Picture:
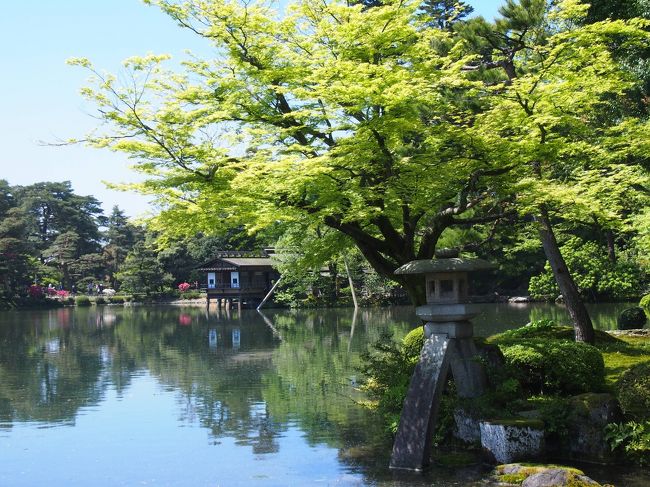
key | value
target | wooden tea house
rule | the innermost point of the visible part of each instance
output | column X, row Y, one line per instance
column 241, row 277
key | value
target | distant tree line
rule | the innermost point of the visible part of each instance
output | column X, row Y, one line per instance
column 52, row 237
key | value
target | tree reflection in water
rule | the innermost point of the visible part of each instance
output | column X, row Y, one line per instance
column 241, row 375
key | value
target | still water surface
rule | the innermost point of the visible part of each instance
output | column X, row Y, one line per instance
column 170, row 396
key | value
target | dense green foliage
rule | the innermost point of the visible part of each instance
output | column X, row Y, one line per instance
column 317, row 280
column 387, row 370
column 50, row 236
column 542, row 357
column 633, row 438
column 16, row 254
column 389, row 127
column 412, row 342
column 141, row 271
column 597, row 277
column 82, row 301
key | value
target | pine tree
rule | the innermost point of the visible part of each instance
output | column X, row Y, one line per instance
column 443, row 14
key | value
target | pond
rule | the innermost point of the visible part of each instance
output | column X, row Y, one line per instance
column 171, row 396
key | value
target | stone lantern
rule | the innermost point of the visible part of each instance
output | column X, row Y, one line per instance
column 448, row 345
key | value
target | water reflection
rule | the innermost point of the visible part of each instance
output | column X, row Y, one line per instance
column 54, row 362
column 277, row 384
column 244, row 376
column 495, row 318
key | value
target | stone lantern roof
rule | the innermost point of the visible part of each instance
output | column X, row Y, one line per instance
column 446, row 287
column 454, row 264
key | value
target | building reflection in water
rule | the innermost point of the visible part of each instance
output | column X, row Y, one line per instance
column 212, row 338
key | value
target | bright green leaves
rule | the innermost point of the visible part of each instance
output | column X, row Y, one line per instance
column 558, row 121
column 370, row 122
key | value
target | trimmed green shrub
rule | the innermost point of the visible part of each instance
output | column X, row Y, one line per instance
column 555, row 366
column 548, row 330
column 191, row 295
column 116, row 299
column 634, row 391
column 412, row 343
column 645, row 301
column 82, row 301
column 100, row 300
column 631, row 318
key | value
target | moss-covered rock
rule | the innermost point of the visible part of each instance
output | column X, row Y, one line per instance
column 528, row 475
column 630, row 318
column 633, row 390
column 586, row 441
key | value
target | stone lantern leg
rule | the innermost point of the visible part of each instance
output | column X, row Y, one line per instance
column 448, row 344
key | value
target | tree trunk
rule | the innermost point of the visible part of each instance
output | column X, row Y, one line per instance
column 414, row 287
column 584, row 330
column 611, row 247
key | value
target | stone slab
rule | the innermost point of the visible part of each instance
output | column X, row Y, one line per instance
column 469, row 375
column 511, row 442
column 412, row 446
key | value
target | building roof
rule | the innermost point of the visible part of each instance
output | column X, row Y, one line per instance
column 428, row 266
column 234, row 263
column 249, row 261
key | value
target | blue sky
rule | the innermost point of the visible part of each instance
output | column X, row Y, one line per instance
column 40, row 93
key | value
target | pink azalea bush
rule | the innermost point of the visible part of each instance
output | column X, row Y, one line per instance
column 35, row 291
column 183, row 286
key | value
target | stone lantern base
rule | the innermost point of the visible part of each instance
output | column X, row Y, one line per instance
column 448, row 347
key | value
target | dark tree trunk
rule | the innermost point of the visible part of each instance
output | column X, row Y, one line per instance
column 414, row 287
column 611, row 248
column 584, row 330
column 335, row 279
